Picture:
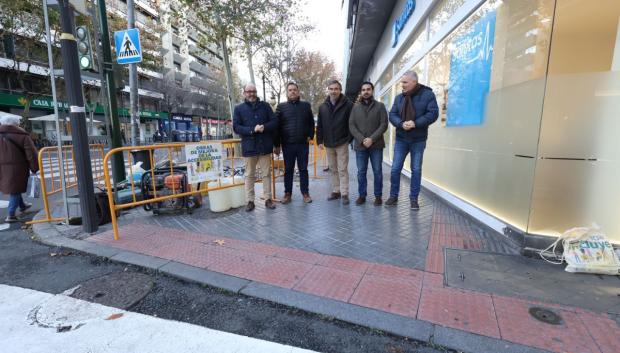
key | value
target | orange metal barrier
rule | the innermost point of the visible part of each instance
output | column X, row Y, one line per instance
column 316, row 155
column 231, row 146
column 51, row 173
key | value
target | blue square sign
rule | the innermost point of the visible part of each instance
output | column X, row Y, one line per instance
column 128, row 49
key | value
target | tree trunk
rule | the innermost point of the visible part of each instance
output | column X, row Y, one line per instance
column 248, row 53
column 229, row 79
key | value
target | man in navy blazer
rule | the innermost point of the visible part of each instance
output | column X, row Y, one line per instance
column 412, row 113
column 255, row 122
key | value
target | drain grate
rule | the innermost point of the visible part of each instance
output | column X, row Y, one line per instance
column 545, row 315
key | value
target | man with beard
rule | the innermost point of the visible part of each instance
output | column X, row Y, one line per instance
column 295, row 130
column 368, row 123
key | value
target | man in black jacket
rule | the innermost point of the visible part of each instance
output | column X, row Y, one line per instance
column 332, row 132
column 295, row 130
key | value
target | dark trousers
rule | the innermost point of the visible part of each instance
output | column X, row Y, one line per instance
column 295, row 152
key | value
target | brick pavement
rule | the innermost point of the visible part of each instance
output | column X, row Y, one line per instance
column 385, row 259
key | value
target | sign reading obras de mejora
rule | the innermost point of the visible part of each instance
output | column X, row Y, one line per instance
column 400, row 22
column 204, row 162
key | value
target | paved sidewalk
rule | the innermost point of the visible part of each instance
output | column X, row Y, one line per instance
column 375, row 266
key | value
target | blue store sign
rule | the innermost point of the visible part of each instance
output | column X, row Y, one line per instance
column 470, row 73
column 400, row 23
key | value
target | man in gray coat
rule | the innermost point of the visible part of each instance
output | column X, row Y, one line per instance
column 367, row 123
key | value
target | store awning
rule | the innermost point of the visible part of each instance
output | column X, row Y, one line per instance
column 5, row 114
column 370, row 21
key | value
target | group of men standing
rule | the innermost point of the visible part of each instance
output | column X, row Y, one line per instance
column 340, row 122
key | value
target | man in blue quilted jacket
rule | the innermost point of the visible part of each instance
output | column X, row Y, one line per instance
column 412, row 113
column 255, row 122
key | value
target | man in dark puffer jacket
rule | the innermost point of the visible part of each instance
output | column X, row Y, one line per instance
column 412, row 113
column 295, row 130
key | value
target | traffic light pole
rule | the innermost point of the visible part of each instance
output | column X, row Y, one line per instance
column 133, row 83
column 73, row 83
column 114, row 129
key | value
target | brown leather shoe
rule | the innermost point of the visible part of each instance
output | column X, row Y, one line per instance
column 360, row 200
column 250, row 206
column 378, row 201
column 307, row 198
column 269, row 204
column 287, row 198
column 345, row 199
column 334, row 196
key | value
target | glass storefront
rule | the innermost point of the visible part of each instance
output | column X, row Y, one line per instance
column 529, row 104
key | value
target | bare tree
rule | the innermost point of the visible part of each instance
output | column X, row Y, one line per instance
column 311, row 71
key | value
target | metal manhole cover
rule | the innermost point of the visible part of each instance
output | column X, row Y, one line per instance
column 119, row 289
column 545, row 315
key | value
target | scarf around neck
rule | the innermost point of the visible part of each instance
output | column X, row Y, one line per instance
column 407, row 111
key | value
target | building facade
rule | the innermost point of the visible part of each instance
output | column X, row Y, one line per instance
column 529, row 97
column 183, row 94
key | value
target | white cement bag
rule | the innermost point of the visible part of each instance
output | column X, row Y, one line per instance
column 587, row 250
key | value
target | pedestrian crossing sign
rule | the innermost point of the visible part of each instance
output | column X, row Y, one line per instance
column 128, row 49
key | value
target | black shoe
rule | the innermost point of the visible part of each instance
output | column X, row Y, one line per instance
column 414, row 205
column 378, row 201
column 250, row 206
column 333, row 196
column 269, row 204
column 360, row 200
column 391, row 201
column 345, row 199
column 25, row 208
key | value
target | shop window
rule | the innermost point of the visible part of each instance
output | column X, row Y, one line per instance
column 489, row 79
column 578, row 168
column 413, row 48
column 442, row 13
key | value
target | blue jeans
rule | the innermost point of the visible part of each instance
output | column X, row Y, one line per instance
column 376, row 160
column 401, row 149
column 295, row 152
column 15, row 200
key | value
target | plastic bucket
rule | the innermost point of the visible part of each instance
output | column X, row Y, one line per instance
column 237, row 193
column 219, row 200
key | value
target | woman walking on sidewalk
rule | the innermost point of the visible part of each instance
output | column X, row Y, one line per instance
column 18, row 156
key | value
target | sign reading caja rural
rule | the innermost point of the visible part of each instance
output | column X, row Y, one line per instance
column 204, row 162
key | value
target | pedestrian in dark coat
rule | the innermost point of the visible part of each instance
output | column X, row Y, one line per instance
column 295, row 131
column 18, row 157
column 255, row 122
column 332, row 131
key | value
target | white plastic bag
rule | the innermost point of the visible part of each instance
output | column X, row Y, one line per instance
column 34, row 186
column 137, row 171
column 586, row 250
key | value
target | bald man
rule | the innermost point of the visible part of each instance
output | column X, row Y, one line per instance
column 255, row 122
